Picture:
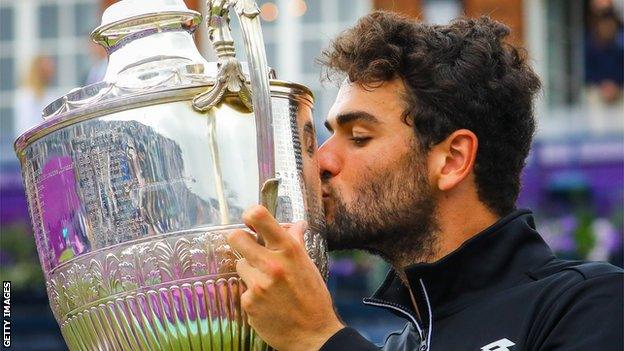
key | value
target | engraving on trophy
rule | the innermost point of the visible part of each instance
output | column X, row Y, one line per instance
column 35, row 209
column 102, row 157
column 57, row 215
column 290, row 201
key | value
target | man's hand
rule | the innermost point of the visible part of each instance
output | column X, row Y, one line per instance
column 286, row 299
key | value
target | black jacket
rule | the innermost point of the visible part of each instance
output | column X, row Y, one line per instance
column 501, row 290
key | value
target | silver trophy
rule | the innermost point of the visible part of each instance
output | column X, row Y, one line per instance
column 133, row 182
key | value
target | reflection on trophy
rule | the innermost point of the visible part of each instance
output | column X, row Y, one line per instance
column 133, row 182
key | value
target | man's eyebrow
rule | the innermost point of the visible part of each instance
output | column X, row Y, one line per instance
column 349, row 117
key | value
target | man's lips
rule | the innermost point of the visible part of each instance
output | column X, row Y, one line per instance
column 326, row 193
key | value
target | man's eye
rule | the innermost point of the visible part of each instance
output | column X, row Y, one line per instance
column 360, row 141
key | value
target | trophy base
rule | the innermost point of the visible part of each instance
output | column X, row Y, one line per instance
column 173, row 292
column 192, row 316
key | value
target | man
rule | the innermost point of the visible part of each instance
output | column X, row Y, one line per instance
column 430, row 132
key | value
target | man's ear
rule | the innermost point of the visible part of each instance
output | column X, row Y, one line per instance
column 453, row 159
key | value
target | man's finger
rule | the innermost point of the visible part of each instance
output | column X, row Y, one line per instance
column 246, row 272
column 297, row 232
column 256, row 282
column 246, row 245
column 259, row 218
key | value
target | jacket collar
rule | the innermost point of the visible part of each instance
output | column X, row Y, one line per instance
column 497, row 258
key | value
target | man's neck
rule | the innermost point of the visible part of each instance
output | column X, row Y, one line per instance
column 457, row 222
column 457, row 225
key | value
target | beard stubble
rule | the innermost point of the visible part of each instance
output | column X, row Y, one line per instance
column 392, row 214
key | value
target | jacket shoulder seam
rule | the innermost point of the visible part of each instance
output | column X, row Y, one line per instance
column 584, row 271
column 576, row 285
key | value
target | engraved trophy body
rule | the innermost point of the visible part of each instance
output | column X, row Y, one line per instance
column 133, row 182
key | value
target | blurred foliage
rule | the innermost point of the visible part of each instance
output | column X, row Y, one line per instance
column 20, row 263
column 584, row 236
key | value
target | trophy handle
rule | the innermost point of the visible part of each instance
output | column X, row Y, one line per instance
column 231, row 79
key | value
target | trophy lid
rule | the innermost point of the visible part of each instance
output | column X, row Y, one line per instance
column 123, row 10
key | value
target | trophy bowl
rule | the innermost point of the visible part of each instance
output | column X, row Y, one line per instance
column 134, row 182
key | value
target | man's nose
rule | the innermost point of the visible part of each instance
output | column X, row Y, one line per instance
column 329, row 160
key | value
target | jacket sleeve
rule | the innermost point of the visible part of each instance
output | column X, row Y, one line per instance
column 348, row 339
column 588, row 317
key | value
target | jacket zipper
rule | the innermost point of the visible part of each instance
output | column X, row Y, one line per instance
column 430, row 329
column 425, row 341
column 396, row 307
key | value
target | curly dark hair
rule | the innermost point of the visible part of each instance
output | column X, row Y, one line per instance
column 460, row 75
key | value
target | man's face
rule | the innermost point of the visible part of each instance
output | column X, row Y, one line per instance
column 376, row 192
